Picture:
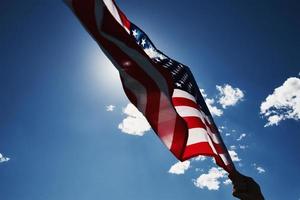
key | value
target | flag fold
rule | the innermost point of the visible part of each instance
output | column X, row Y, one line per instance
column 162, row 89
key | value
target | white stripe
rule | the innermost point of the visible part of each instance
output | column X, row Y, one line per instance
column 224, row 158
column 184, row 94
column 132, row 84
column 167, row 116
column 212, row 136
column 138, row 90
column 186, row 111
column 142, row 61
column 114, row 11
column 166, row 121
column 212, row 145
column 197, row 135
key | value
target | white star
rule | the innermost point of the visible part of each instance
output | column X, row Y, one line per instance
column 143, row 42
column 135, row 33
column 151, row 52
column 110, row 108
column 161, row 56
column 178, row 84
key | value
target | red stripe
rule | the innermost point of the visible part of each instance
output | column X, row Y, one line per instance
column 84, row 9
column 205, row 150
column 201, row 148
column 179, row 139
column 153, row 97
column 153, row 101
column 194, row 122
column 114, row 29
column 193, row 150
column 229, row 168
column 111, row 27
column 123, row 17
column 181, row 101
column 220, row 162
column 211, row 126
column 85, row 12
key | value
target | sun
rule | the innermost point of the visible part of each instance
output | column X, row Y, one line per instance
column 103, row 74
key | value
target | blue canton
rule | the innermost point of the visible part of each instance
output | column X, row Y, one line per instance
column 181, row 74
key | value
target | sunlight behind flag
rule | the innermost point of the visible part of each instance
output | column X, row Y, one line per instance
column 162, row 89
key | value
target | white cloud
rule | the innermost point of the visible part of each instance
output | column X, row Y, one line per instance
column 227, row 134
column 199, row 170
column 274, row 120
column 242, row 136
column 221, row 128
column 180, row 167
column 260, row 170
column 213, row 160
column 234, row 156
column 135, row 123
column 227, row 182
column 211, row 180
column 243, row 146
column 215, row 111
column 110, row 108
column 283, row 103
column 229, row 96
column 233, row 147
column 200, row 158
column 3, row 159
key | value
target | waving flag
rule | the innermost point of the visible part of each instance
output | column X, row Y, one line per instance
column 163, row 89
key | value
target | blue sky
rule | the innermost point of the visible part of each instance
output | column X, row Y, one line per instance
column 58, row 141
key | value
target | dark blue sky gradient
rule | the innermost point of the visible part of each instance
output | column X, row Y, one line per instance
column 64, row 145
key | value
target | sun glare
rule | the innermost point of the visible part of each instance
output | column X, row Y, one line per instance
column 103, row 74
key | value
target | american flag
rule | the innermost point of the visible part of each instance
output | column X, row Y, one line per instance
column 163, row 89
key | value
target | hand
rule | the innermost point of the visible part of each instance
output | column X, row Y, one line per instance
column 245, row 188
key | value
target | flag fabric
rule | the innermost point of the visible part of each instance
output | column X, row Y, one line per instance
column 163, row 89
